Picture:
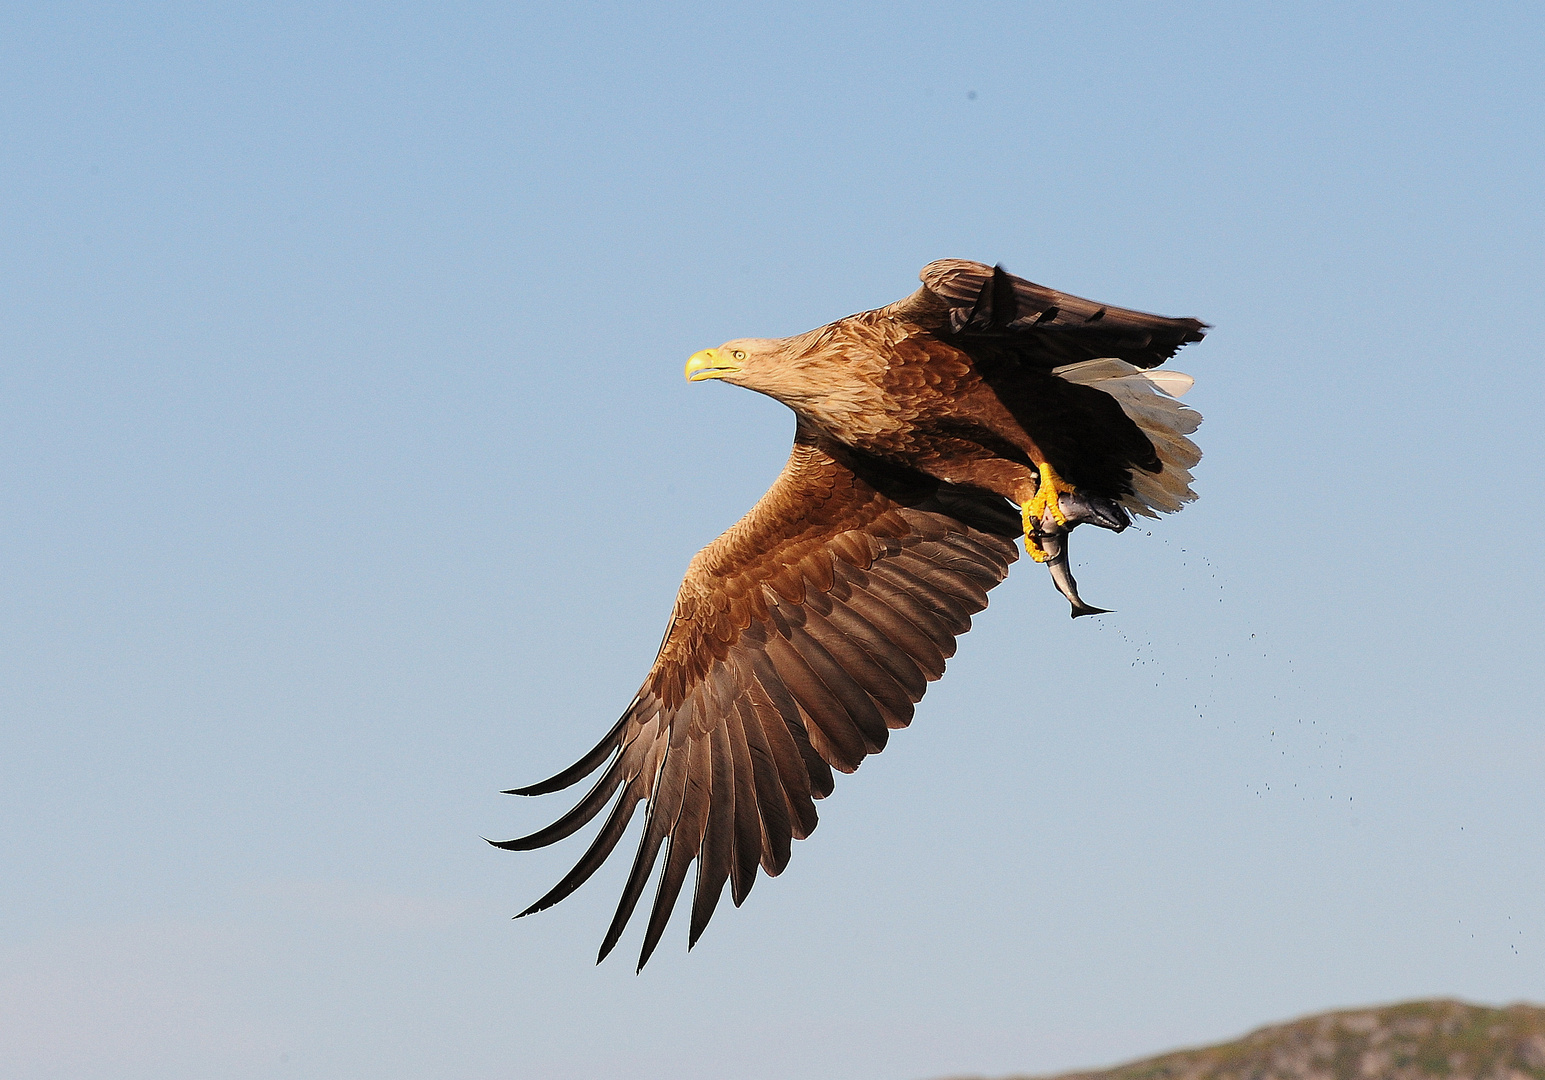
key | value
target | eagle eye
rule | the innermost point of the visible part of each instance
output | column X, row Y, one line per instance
column 739, row 355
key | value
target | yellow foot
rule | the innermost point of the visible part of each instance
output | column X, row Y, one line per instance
column 1044, row 501
column 1046, row 494
column 1032, row 525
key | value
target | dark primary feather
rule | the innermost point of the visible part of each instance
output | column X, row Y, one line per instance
column 971, row 301
column 717, row 857
column 581, row 768
column 748, row 822
column 799, row 640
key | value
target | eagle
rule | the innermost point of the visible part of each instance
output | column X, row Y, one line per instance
column 930, row 436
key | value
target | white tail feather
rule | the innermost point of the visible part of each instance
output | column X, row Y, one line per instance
column 1173, row 383
column 1149, row 398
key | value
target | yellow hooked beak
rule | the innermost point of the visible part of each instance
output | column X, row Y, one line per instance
column 710, row 364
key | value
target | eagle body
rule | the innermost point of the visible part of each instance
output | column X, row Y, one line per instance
column 930, row 435
column 963, row 412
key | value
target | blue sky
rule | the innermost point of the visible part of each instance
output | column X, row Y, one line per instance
column 349, row 474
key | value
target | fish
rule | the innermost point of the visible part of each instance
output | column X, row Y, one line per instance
column 1053, row 536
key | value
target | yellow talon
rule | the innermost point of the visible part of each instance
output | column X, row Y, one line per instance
column 1032, row 524
column 1046, row 492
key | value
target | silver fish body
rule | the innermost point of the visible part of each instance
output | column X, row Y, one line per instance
column 1053, row 536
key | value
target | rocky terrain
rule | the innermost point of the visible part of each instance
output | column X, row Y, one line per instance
column 1415, row 1041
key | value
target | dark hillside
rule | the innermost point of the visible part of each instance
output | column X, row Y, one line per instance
column 1420, row 1040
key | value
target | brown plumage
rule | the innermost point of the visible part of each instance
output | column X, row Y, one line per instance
column 807, row 632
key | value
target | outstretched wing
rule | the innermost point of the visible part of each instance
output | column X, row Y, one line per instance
column 989, row 309
column 799, row 639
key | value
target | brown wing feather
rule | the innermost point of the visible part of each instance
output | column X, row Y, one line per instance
column 799, row 639
column 1032, row 324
